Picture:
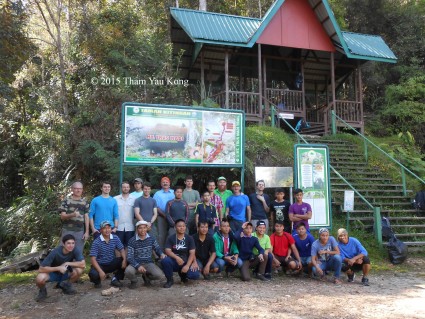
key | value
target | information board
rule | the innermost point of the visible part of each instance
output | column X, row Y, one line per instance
column 313, row 177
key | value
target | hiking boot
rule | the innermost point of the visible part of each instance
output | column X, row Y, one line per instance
column 268, row 276
column 146, row 280
column 98, row 285
column 169, row 283
column 133, row 285
column 183, row 277
column 67, row 288
column 365, row 281
column 351, row 277
column 207, row 277
column 261, row 277
column 42, row 294
column 116, row 283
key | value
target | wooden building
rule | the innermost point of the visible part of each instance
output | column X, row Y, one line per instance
column 296, row 59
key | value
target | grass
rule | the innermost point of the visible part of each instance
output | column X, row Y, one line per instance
column 17, row 279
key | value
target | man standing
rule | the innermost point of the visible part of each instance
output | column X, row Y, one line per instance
column 226, row 248
column 103, row 259
column 162, row 197
column 283, row 245
column 215, row 199
column 238, row 208
column 279, row 209
column 64, row 264
column 138, row 184
column 222, row 191
column 300, row 211
column 74, row 213
column 140, row 249
column 145, row 209
column 325, row 256
column 206, row 212
column 180, row 251
column 103, row 208
column 125, row 202
column 204, row 252
column 260, row 203
column 176, row 209
column 354, row 256
column 191, row 197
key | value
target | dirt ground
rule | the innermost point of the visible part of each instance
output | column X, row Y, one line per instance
column 391, row 294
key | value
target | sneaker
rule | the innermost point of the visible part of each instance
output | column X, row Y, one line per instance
column 146, row 280
column 42, row 294
column 132, row 285
column 67, row 288
column 169, row 283
column 268, row 276
column 116, row 283
column 183, row 277
column 351, row 277
column 261, row 277
column 365, row 281
column 98, row 285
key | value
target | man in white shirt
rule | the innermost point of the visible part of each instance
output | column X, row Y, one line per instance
column 126, row 214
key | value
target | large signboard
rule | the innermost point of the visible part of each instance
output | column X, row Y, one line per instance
column 313, row 177
column 275, row 176
column 170, row 135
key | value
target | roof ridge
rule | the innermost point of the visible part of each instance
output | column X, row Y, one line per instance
column 216, row 13
column 369, row 35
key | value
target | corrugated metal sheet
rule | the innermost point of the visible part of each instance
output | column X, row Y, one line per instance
column 368, row 45
column 209, row 26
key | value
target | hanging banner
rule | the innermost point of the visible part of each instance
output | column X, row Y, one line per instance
column 313, row 177
column 169, row 135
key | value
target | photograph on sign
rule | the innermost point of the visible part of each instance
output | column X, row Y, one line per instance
column 275, row 176
column 312, row 178
column 182, row 135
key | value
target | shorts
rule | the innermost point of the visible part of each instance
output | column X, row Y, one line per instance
column 305, row 260
column 57, row 276
column 355, row 267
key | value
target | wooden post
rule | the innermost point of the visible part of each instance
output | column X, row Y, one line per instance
column 266, row 104
column 360, row 96
column 260, row 84
column 303, row 92
column 333, row 91
column 210, row 76
column 202, row 77
column 226, row 78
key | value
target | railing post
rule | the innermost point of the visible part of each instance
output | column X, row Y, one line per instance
column 365, row 150
column 403, row 181
column 273, row 113
column 333, row 122
column 378, row 224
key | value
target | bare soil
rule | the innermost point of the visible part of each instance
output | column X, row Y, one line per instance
column 391, row 294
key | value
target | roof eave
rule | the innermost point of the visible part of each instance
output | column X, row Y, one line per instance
column 370, row 58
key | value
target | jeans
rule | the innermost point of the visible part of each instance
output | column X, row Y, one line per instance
column 334, row 263
column 170, row 265
column 269, row 264
column 214, row 265
column 221, row 263
column 235, row 225
column 253, row 263
column 113, row 266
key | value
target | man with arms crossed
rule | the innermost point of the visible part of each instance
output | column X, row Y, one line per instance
column 260, row 204
column 145, row 209
column 162, row 197
column 103, row 208
column 238, row 209
column 300, row 211
column 191, row 197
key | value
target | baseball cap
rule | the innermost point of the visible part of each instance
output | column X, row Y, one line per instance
column 236, row 183
column 141, row 222
column 138, row 179
column 105, row 223
column 261, row 223
column 323, row 230
column 222, row 178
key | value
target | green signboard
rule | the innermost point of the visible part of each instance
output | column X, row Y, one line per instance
column 313, row 177
column 182, row 135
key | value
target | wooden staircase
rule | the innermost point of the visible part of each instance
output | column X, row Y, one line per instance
column 378, row 188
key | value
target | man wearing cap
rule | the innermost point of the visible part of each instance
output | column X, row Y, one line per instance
column 325, row 255
column 103, row 207
column 138, row 184
column 299, row 211
column 145, row 208
column 222, row 191
column 63, row 265
column 215, row 199
column 140, row 249
column 192, row 198
column 125, row 202
column 283, row 244
column 260, row 204
column 74, row 213
column 103, row 259
column 180, row 251
column 246, row 243
column 162, row 197
column 354, row 256
column 238, row 208
column 264, row 240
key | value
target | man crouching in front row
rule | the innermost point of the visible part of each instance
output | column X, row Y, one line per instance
column 63, row 265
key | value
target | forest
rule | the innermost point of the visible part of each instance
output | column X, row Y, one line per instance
column 58, row 125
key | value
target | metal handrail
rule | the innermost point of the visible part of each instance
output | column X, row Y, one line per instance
column 376, row 209
column 365, row 139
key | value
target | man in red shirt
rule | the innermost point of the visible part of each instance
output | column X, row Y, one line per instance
column 283, row 245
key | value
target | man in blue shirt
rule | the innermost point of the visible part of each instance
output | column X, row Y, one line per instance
column 162, row 196
column 103, row 208
column 354, row 256
column 238, row 209
column 260, row 204
column 103, row 259
column 304, row 241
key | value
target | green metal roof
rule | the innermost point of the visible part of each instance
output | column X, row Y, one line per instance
column 370, row 47
column 209, row 27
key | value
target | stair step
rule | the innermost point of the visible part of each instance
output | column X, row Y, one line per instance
column 377, row 185
column 362, row 178
column 410, row 235
column 410, row 226
column 371, row 190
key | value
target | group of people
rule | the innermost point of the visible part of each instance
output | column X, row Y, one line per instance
column 181, row 231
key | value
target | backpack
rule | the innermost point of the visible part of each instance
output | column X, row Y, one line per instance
column 397, row 250
column 419, row 201
column 387, row 231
